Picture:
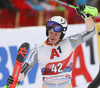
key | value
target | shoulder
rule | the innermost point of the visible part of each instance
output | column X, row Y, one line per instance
column 33, row 50
column 74, row 37
column 40, row 45
column 65, row 40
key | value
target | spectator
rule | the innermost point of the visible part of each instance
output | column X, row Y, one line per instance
column 55, row 4
column 41, row 5
column 58, row 6
column 47, row 6
column 93, row 3
column 35, row 4
column 82, row 2
column 6, row 4
column 21, row 4
column 98, row 5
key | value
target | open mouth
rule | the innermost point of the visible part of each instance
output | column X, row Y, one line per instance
column 52, row 39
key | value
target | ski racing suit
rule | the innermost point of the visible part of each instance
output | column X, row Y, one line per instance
column 55, row 61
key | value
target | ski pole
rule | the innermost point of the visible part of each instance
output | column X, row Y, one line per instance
column 65, row 4
column 89, row 9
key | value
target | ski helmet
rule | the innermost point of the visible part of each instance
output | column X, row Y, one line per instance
column 58, row 23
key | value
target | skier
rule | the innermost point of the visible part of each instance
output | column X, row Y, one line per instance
column 55, row 54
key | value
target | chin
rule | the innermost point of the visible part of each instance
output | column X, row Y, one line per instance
column 53, row 41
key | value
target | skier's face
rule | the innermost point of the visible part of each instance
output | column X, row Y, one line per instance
column 54, row 37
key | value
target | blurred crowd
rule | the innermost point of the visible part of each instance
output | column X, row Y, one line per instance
column 44, row 5
column 39, row 5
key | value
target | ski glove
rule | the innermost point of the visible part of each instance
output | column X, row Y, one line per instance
column 80, row 10
column 10, row 80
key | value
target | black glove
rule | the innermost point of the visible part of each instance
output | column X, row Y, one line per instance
column 10, row 80
column 80, row 10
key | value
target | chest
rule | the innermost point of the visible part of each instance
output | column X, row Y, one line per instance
column 53, row 54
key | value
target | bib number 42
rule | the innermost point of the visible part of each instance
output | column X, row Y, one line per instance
column 57, row 68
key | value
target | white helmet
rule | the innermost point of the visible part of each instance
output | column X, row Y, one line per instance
column 62, row 23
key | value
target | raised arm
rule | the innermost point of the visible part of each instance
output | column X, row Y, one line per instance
column 90, row 28
column 89, row 24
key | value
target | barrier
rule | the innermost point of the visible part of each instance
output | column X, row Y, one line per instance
column 7, row 19
column 30, row 17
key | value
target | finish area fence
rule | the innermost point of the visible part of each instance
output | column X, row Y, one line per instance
column 34, row 18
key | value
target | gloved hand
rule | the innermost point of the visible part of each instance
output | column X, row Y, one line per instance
column 10, row 80
column 80, row 10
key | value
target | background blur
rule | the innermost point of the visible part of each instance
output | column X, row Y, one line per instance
column 25, row 20
column 22, row 13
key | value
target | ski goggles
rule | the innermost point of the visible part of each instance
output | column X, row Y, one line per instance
column 56, row 26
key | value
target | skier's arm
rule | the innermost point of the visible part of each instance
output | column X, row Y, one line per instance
column 28, row 65
column 84, row 36
column 89, row 24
